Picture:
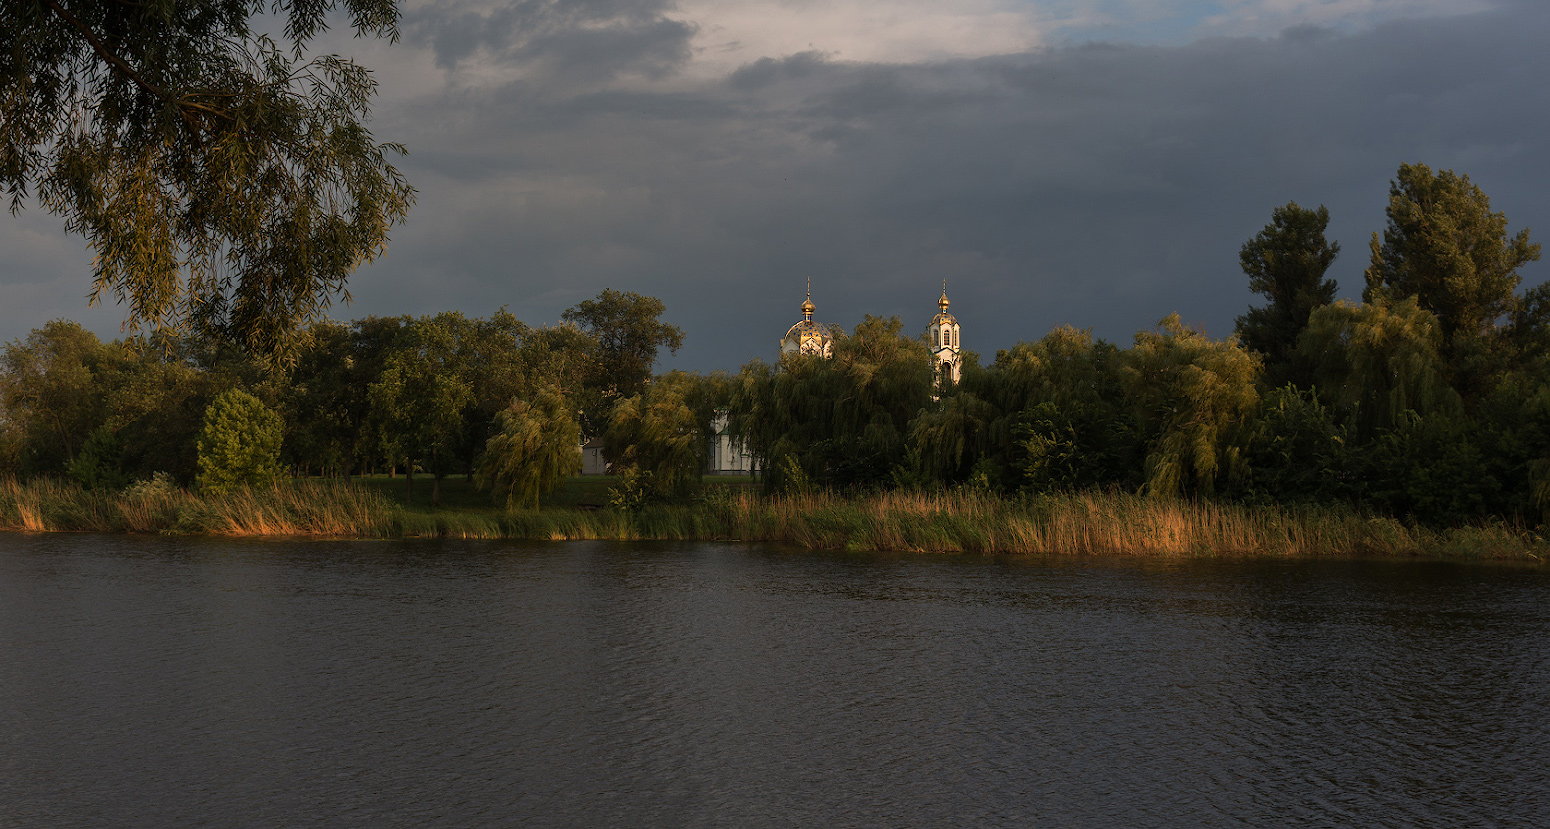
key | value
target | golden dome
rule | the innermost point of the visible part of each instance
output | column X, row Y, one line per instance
column 807, row 306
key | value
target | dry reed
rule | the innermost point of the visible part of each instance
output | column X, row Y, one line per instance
column 956, row 522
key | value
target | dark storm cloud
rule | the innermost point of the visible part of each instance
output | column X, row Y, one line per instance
column 1099, row 185
column 578, row 40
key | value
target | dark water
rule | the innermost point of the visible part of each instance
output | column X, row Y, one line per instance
column 158, row 683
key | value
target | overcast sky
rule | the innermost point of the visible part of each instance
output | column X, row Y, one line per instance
column 1091, row 162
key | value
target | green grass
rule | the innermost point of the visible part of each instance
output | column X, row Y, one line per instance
column 732, row 509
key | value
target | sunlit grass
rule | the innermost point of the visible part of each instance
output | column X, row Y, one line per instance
column 1088, row 523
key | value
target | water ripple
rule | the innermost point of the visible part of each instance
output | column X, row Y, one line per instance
column 156, row 682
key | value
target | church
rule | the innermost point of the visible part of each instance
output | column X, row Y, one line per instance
column 808, row 337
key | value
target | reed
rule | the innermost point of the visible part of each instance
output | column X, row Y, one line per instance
column 1086, row 523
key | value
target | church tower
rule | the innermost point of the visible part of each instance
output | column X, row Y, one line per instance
column 807, row 337
column 942, row 336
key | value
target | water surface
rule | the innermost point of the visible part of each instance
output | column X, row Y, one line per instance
column 171, row 682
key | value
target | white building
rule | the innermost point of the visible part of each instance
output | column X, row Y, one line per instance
column 942, row 336
column 727, row 455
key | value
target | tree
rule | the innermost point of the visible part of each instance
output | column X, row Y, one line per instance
column 1285, row 263
column 240, row 443
column 659, row 433
column 423, row 397
column 1444, row 246
column 842, row 421
column 628, row 336
column 1296, row 451
column 49, row 388
column 1064, row 420
column 1191, row 395
column 223, row 182
column 1376, row 361
column 949, row 439
column 534, row 448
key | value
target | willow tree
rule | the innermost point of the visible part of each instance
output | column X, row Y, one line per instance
column 533, row 448
column 658, row 432
column 1378, row 360
column 226, row 183
column 1191, row 396
column 1064, row 422
column 842, row 421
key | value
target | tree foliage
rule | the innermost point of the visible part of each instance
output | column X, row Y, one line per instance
column 1063, row 421
column 424, row 396
column 239, row 444
column 658, row 432
column 534, row 446
column 1191, row 397
column 1286, row 263
column 839, row 422
column 1376, row 361
column 628, row 333
column 1444, row 246
column 226, row 184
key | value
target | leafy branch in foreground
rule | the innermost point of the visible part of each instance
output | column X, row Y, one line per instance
column 226, row 185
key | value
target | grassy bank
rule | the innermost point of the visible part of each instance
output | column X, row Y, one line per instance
column 1069, row 524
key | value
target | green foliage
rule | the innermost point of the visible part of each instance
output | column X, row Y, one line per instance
column 1285, row 263
column 628, row 334
column 633, row 490
column 843, row 421
column 422, row 400
column 952, row 438
column 1296, row 451
column 1191, row 397
column 534, row 446
column 1378, row 360
column 1445, row 247
column 221, row 180
column 1084, row 436
column 658, row 433
column 49, row 391
column 1432, row 468
column 99, row 465
column 239, row 444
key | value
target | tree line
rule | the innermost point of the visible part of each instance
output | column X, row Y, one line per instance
column 380, row 394
column 1430, row 398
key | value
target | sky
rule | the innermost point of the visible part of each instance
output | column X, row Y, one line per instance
column 1096, row 163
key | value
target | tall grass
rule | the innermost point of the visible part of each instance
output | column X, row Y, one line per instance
column 1064, row 524
column 303, row 508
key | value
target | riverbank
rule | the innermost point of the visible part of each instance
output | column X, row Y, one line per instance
column 1060, row 524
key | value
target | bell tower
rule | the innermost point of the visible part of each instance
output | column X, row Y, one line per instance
column 946, row 353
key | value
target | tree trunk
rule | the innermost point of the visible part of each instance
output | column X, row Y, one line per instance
column 409, row 483
column 435, row 479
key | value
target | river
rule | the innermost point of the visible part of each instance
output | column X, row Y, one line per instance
column 164, row 682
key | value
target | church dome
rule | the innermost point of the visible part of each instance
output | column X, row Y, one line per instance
column 807, row 337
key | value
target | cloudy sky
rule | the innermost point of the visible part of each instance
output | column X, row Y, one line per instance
column 1091, row 162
